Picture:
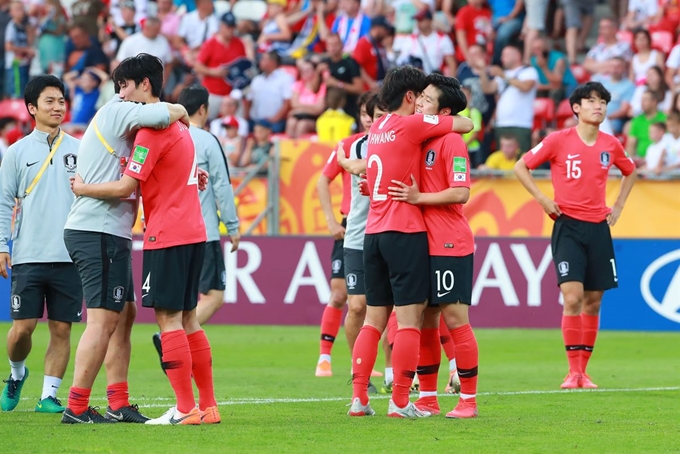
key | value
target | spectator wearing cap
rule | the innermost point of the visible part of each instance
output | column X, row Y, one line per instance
column 212, row 63
column 195, row 29
column 507, row 19
column 268, row 100
column 275, row 32
column 342, row 72
column 426, row 49
column 350, row 24
column 370, row 52
column 116, row 32
column 473, row 26
column 232, row 142
column 148, row 41
column 228, row 109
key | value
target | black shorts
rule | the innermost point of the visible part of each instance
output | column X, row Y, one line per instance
column 584, row 252
column 451, row 279
column 105, row 268
column 55, row 285
column 213, row 272
column 354, row 272
column 396, row 268
column 171, row 276
column 337, row 257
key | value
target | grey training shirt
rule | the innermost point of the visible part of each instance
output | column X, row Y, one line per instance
column 117, row 122
column 219, row 192
column 358, row 209
column 38, row 230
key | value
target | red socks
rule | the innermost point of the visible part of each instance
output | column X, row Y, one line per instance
column 446, row 341
column 404, row 362
column 363, row 359
column 467, row 357
column 201, row 367
column 571, row 333
column 589, row 326
column 78, row 399
column 177, row 364
column 392, row 327
column 330, row 325
column 430, row 359
column 118, row 395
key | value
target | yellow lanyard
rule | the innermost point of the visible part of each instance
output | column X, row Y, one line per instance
column 108, row 147
column 37, row 178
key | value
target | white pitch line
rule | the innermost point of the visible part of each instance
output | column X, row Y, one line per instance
column 293, row 400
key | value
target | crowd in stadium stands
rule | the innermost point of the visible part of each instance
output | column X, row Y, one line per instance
column 314, row 57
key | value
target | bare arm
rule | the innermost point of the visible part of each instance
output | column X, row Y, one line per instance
column 411, row 194
column 524, row 177
column 462, row 125
column 177, row 113
column 461, row 42
column 624, row 191
column 336, row 230
column 111, row 190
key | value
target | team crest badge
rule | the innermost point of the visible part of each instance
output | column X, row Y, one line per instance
column 16, row 303
column 336, row 265
column 351, row 281
column 118, row 294
column 563, row 268
column 605, row 159
column 429, row 158
column 70, row 161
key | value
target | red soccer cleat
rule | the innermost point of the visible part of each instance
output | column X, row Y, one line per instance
column 571, row 381
column 464, row 409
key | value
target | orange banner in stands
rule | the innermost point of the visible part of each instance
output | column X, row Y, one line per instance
column 497, row 206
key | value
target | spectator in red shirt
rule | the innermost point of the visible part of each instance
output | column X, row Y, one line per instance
column 370, row 52
column 473, row 26
column 213, row 60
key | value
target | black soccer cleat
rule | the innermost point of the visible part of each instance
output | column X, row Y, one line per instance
column 126, row 414
column 89, row 416
column 159, row 349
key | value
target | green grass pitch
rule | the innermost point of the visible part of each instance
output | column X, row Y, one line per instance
column 270, row 400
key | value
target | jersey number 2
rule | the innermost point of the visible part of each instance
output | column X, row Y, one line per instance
column 193, row 176
column 376, row 195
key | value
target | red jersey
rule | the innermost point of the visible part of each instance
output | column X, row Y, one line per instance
column 580, row 172
column 476, row 23
column 367, row 57
column 446, row 164
column 214, row 54
column 164, row 162
column 394, row 152
column 332, row 169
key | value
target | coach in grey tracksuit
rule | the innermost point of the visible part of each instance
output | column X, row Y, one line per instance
column 34, row 177
column 219, row 193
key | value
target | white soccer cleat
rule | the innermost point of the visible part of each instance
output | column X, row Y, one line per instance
column 357, row 409
column 410, row 411
column 173, row 417
column 164, row 419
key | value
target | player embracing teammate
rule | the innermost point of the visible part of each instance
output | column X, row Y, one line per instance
column 396, row 258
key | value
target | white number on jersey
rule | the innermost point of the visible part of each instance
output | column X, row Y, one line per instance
column 376, row 195
column 573, row 169
column 147, row 283
column 445, row 280
column 193, row 176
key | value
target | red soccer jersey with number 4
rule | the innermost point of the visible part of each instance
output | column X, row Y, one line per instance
column 164, row 162
column 394, row 153
column 445, row 164
column 580, row 172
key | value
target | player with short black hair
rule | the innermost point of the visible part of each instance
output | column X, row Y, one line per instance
column 34, row 184
column 396, row 261
column 580, row 159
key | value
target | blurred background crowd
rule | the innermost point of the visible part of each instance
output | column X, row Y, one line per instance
column 294, row 68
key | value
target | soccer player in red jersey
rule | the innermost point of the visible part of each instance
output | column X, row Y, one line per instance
column 396, row 258
column 445, row 185
column 580, row 159
column 164, row 165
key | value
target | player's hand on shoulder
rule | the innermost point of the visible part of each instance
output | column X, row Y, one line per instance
column 235, row 241
column 203, row 177
column 5, row 264
column 402, row 192
column 363, row 185
column 77, row 184
column 550, row 207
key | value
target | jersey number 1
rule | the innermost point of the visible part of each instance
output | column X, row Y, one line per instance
column 193, row 176
column 376, row 195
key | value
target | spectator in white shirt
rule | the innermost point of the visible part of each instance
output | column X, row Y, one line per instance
column 515, row 85
column 598, row 59
column 641, row 14
column 430, row 48
column 228, row 110
column 148, row 41
column 645, row 57
column 656, row 84
column 268, row 100
column 655, row 152
column 673, row 68
column 196, row 27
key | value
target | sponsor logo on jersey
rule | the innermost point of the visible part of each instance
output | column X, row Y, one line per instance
column 429, row 158
column 660, row 289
